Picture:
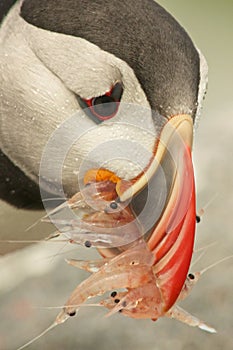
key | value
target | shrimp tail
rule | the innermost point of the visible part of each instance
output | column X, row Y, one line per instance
column 176, row 312
column 90, row 265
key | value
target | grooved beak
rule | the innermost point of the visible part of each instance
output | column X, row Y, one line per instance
column 172, row 237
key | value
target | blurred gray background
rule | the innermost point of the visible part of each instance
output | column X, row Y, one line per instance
column 33, row 277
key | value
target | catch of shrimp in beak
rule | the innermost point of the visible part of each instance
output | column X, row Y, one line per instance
column 145, row 267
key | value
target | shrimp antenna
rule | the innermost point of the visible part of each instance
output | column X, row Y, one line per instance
column 59, row 252
column 205, row 247
column 20, row 242
column 51, row 212
column 62, row 306
column 33, row 241
column 53, row 199
column 201, row 211
column 53, row 325
column 215, row 264
column 198, row 258
column 203, row 251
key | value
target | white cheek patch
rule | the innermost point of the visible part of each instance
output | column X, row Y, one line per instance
column 33, row 101
column 124, row 148
column 40, row 71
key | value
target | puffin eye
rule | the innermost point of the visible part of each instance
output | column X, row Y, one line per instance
column 103, row 107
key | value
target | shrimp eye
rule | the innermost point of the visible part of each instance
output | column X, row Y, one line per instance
column 114, row 294
column 72, row 314
column 191, row 276
column 103, row 107
column 113, row 205
column 87, row 244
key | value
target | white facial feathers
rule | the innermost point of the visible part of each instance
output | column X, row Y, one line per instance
column 41, row 74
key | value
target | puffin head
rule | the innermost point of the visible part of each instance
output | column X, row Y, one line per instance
column 94, row 85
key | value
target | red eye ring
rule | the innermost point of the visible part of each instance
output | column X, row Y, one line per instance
column 103, row 107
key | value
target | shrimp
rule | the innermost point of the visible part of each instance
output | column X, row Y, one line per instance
column 100, row 219
column 139, row 302
column 150, row 266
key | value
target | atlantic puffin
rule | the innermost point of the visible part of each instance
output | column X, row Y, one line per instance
column 72, row 58
column 105, row 91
